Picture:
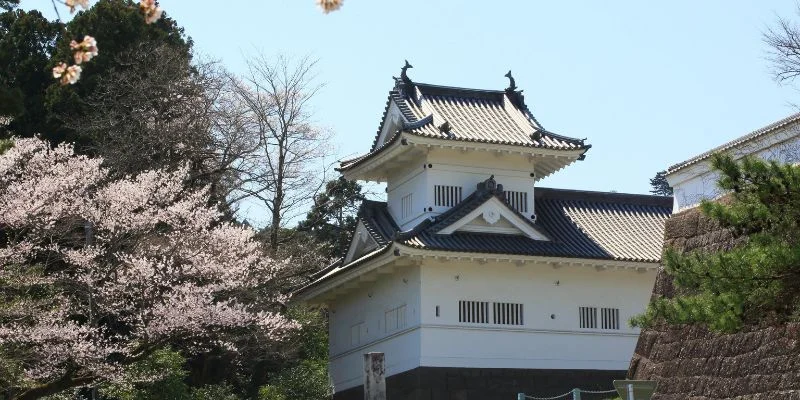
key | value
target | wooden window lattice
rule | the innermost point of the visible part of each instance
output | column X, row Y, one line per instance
column 587, row 317
column 476, row 312
column 517, row 200
column 507, row 313
column 446, row 196
column 405, row 206
column 609, row 318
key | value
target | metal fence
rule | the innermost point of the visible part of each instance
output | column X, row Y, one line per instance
column 574, row 394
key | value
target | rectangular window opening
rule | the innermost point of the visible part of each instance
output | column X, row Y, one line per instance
column 357, row 334
column 446, row 196
column 517, row 200
column 609, row 318
column 587, row 317
column 508, row 314
column 405, row 206
column 395, row 319
column 476, row 312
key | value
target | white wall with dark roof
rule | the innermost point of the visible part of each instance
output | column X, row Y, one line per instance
column 550, row 336
column 453, row 168
column 694, row 180
column 368, row 305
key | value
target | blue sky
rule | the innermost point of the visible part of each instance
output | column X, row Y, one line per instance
column 648, row 83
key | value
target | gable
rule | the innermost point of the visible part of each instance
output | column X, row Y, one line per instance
column 392, row 122
column 494, row 216
column 361, row 243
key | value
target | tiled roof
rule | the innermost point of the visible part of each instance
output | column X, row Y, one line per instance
column 473, row 115
column 580, row 224
column 736, row 142
column 376, row 219
column 487, row 116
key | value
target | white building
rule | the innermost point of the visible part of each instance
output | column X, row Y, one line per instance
column 693, row 180
column 475, row 283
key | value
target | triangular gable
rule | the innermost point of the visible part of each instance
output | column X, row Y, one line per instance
column 361, row 243
column 494, row 216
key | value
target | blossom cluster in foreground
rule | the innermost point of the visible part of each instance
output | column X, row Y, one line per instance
column 329, row 5
column 107, row 270
column 84, row 51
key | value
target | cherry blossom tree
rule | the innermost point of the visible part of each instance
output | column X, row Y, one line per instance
column 97, row 273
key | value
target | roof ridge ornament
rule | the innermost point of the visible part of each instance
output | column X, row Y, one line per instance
column 490, row 185
column 404, row 75
column 445, row 128
column 518, row 100
column 404, row 84
column 514, row 95
column 512, row 85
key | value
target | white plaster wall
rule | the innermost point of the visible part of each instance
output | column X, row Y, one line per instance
column 468, row 179
column 542, row 342
column 697, row 182
column 368, row 303
column 453, row 168
column 409, row 180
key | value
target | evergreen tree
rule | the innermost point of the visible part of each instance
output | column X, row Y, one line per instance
column 659, row 184
column 332, row 219
column 27, row 41
column 119, row 28
column 756, row 280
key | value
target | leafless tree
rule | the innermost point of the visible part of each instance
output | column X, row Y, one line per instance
column 160, row 109
column 784, row 43
column 276, row 95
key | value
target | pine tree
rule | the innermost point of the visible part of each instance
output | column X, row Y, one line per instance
column 659, row 184
column 332, row 219
column 756, row 280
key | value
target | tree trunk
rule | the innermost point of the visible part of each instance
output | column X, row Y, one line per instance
column 49, row 389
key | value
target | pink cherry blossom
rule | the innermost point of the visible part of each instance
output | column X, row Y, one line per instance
column 329, row 5
column 85, row 50
column 142, row 251
column 152, row 12
column 72, row 4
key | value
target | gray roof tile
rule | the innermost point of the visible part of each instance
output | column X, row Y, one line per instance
column 736, row 142
column 580, row 224
column 474, row 115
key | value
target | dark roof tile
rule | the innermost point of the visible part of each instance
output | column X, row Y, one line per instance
column 474, row 115
column 580, row 224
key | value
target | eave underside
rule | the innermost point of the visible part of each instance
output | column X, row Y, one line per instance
column 379, row 165
column 397, row 256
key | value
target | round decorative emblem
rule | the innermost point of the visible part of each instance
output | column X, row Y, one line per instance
column 491, row 215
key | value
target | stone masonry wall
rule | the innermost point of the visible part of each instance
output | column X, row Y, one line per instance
column 691, row 363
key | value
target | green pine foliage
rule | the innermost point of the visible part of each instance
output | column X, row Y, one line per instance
column 168, row 366
column 27, row 41
column 757, row 280
column 5, row 144
column 118, row 26
column 659, row 184
column 307, row 378
column 332, row 219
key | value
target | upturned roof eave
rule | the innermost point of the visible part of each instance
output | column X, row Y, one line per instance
column 314, row 289
column 406, row 249
column 397, row 139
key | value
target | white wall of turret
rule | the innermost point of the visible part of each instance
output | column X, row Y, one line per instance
column 413, row 315
column 453, row 169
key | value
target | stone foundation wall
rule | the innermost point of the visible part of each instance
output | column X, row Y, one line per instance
column 691, row 363
column 432, row 383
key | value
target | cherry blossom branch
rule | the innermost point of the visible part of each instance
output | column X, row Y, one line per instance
column 85, row 50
